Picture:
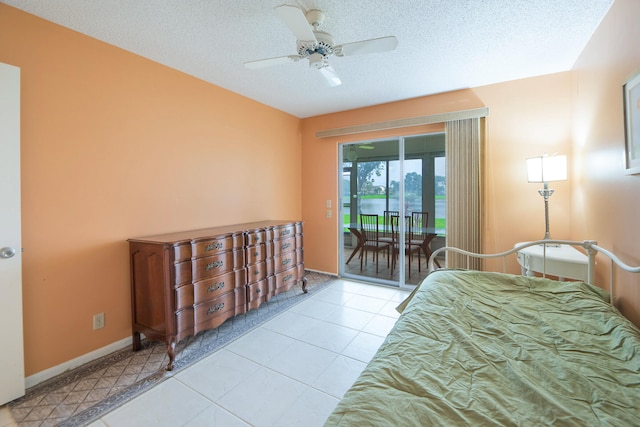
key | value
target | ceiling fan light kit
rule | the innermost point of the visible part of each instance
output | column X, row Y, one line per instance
column 315, row 18
column 317, row 61
column 317, row 46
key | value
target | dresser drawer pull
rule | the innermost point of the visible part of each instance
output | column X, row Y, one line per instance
column 287, row 261
column 216, row 264
column 212, row 246
column 216, row 307
column 256, row 272
column 285, row 232
column 215, row 287
column 286, row 246
column 258, row 290
column 287, row 277
column 256, row 253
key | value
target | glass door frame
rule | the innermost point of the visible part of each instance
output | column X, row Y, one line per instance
column 425, row 147
column 401, row 232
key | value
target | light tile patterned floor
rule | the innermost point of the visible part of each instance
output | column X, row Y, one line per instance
column 290, row 369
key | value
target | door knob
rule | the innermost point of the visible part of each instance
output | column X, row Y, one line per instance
column 7, row 252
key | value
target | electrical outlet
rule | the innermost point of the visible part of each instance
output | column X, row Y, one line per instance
column 98, row 321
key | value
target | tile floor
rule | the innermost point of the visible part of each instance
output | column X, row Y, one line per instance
column 290, row 371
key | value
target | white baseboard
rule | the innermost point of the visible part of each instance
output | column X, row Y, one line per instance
column 322, row 272
column 41, row 376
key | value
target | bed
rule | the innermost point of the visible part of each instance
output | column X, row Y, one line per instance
column 478, row 348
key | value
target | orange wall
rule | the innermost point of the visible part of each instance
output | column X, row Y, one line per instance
column 116, row 146
column 606, row 202
column 522, row 123
column 578, row 113
column 527, row 118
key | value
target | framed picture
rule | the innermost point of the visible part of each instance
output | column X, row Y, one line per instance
column 632, row 124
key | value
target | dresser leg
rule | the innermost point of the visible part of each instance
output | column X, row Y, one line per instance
column 137, row 344
column 304, row 285
column 171, row 351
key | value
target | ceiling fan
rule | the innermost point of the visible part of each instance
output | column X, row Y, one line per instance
column 317, row 46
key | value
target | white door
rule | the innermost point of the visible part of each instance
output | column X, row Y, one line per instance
column 11, row 347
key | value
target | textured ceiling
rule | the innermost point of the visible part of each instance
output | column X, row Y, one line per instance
column 443, row 45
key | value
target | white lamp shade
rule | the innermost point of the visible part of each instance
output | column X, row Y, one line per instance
column 547, row 168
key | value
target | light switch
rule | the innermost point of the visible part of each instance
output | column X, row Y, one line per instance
column 328, row 203
column 328, row 213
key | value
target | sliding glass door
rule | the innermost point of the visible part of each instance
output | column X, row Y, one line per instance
column 395, row 185
column 369, row 175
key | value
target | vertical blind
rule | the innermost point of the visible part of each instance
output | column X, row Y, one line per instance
column 464, row 190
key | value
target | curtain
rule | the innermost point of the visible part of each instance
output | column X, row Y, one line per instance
column 464, row 142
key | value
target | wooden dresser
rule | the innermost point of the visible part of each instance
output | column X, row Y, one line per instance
column 187, row 282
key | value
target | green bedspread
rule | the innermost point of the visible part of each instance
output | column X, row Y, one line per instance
column 475, row 348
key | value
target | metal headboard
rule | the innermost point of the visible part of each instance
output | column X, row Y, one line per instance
column 590, row 246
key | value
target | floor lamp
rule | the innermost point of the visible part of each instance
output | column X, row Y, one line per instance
column 546, row 169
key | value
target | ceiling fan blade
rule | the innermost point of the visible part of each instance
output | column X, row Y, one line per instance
column 294, row 18
column 330, row 76
column 381, row 44
column 264, row 63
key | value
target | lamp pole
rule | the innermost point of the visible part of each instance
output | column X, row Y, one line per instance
column 546, row 192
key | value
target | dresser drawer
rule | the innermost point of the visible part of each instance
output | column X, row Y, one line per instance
column 255, row 237
column 256, row 272
column 216, row 286
column 256, row 253
column 282, row 246
column 285, row 280
column 182, row 251
column 211, row 246
column 284, row 262
column 215, row 265
column 184, row 323
column 269, row 265
column 182, row 271
column 213, row 313
column 257, row 293
column 184, row 296
column 284, row 231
